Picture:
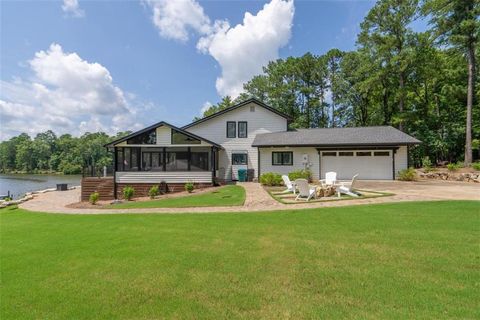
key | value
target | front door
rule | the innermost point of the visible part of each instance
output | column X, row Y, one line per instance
column 239, row 161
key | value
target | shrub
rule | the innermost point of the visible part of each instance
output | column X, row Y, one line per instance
column 128, row 193
column 453, row 166
column 407, row 175
column 299, row 174
column 476, row 165
column 426, row 164
column 189, row 187
column 153, row 192
column 94, row 198
column 271, row 179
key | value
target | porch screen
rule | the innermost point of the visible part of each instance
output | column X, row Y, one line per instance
column 199, row 159
column 177, row 159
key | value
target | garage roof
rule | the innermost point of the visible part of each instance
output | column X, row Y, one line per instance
column 318, row 137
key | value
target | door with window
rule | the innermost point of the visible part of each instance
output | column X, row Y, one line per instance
column 239, row 161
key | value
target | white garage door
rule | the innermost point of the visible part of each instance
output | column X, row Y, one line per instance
column 369, row 164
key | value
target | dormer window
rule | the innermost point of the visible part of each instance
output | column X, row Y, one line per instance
column 231, row 129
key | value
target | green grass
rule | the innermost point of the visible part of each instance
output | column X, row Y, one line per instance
column 226, row 196
column 406, row 260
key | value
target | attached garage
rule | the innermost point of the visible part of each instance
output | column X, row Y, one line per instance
column 369, row 164
column 374, row 153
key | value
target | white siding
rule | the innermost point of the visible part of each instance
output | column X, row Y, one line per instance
column 266, row 161
column 168, row 177
column 259, row 121
column 367, row 167
column 401, row 159
column 164, row 136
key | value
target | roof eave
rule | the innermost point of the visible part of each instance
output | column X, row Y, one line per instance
column 265, row 145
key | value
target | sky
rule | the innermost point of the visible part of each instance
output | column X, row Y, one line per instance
column 78, row 66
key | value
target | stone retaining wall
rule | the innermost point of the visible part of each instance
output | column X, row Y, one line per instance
column 452, row 176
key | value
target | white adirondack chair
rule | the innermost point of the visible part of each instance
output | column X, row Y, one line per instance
column 330, row 179
column 304, row 190
column 289, row 184
column 348, row 187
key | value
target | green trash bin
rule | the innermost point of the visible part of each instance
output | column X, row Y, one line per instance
column 242, row 175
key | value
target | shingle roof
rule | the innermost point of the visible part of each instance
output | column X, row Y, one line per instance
column 385, row 135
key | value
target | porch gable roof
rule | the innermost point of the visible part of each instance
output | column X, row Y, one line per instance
column 156, row 125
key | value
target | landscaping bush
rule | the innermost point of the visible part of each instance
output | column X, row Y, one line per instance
column 94, row 198
column 407, row 175
column 300, row 174
column 128, row 193
column 453, row 166
column 271, row 179
column 153, row 192
column 426, row 164
column 476, row 166
column 189, row 187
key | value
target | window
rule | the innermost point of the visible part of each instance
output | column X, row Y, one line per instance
column 345, row 153
column 231, row 129
column 239, row 158
column 381, row 153
column 149, row 137
column 252, row 108
column 242, row 129
column 364, row 153
column 181, row 138
column 282, row 158
column 329, row 154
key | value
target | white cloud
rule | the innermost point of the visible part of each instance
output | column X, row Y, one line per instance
column 242, row 50
column 72, row 8
column 205, row 107
column 65, row 91
column 174, row 19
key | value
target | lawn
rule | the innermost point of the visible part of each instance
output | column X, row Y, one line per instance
column 226, row 196
column 409, row 260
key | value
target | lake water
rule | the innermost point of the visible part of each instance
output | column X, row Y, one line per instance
column 19, row 184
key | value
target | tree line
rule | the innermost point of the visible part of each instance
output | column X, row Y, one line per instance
column 48, row 153
column 420, row 82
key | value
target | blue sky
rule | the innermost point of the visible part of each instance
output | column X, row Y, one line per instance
column 111, row 65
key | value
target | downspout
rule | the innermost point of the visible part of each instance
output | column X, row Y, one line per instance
column 393, row 163
column 319, row 164
column 258, row 163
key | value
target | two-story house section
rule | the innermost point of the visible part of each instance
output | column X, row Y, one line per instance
column 235, row 130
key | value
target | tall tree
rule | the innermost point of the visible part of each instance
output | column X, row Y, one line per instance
column 456, row 23
column 386, row 33
column 334, row 58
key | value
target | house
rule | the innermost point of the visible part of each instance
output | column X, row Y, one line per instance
column 254, row 136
